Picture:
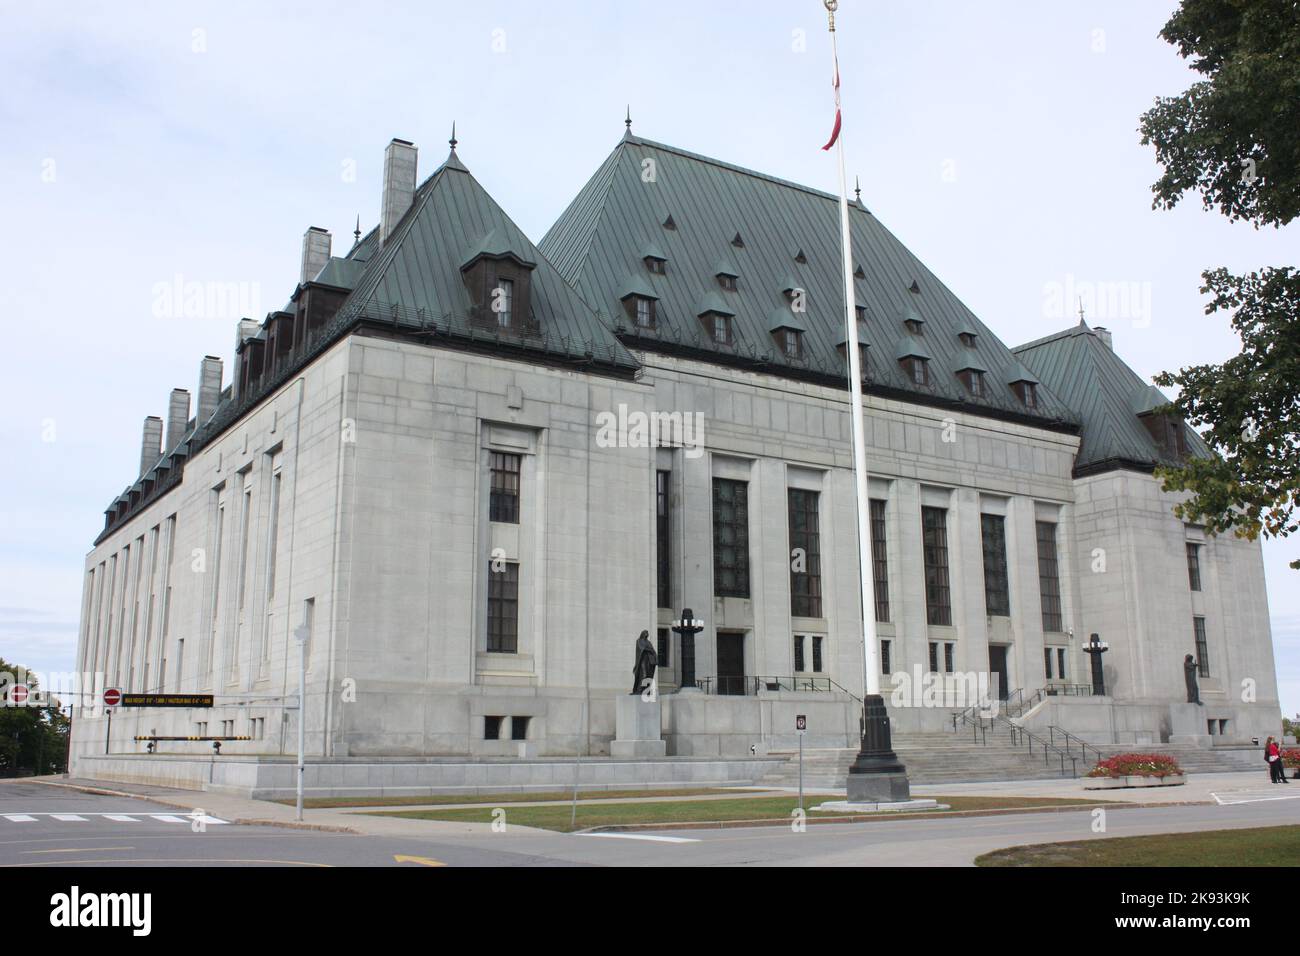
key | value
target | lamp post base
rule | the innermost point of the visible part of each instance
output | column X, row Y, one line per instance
column 877, row 775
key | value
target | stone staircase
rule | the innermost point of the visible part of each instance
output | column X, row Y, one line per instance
column 944, row 757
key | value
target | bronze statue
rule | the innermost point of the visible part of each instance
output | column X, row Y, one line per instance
column 647, row 660
column 1189, row 675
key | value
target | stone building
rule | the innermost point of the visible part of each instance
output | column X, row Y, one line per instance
column 472, row 468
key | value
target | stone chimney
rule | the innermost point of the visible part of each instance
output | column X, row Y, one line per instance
column 178, row 416
column 1103, row 333
column 399, row 185
column 209, row 389
column 316, row 250
column 150, row 443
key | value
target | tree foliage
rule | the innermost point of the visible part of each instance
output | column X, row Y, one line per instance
column 1234, row 137
column 34, row 734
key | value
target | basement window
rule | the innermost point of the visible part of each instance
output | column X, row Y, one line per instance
column 492, row 728
column 519, row 728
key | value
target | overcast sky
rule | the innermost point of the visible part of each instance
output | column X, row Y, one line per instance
column 146, row 144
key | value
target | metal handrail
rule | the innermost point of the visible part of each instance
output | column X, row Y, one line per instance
column 972, row 716
column 1084, row 746
column 1019, row 733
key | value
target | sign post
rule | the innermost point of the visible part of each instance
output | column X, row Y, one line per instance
column 112, row 697
column 301, row 633
column 801, row 728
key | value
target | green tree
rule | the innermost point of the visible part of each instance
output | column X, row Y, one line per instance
column 1234, row 137
column 33, row 734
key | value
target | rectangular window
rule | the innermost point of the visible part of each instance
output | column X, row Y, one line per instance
column 722, row 329
column 886, row 657
column 503, row 609
column 504, row 304
column 519, row 728
column 805, row 554
column 934, row 544
column 792, row 343
column 663, row 540
column 1202, row 646
column 664, row 646
column 817, row 653
column 730, row 538
column 997, row 597
column 948, row 651
column 1049, row 585
column 272, row 537
column 492, row 727
column 1194, row 565
column 245, row 524
column 645, row 313
column 934, row 657
column 1060, row 663
column 798, row 653
column 503, row 504
column 879, row 559
column 1047, row 662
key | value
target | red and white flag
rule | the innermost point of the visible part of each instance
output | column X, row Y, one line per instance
column 835, row 133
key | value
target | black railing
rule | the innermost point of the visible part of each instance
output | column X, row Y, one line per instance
column 1068, row 690
column 1071, row 741
column 751, row 686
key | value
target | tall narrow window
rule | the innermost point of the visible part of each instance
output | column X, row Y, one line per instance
column 1047, row 662
column 934, row 544
column 663, row 540
column 886, row 657
column 1194, row 565
column 1202, row 646
column 166, row 612
column 1060, row 663
column 798, row 653
column 503, row 504
column 665, row 645
column 645, row 313
column 272, row 537
column 997, row 598
column 1049, row 584
column 934, row 657
column 817, row 653
column 215, row 568
column 503, row 303
column 879, row 559
column 503, row 609
column 805, row 554
column 245, row 523
column 730, row 538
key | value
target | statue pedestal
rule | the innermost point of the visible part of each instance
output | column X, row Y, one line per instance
column 638, row 728
column 1187, row 726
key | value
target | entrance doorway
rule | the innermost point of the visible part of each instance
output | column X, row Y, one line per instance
column 731, row 662
column 998, row 668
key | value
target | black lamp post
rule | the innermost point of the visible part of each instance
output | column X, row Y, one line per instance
column 1095, row 648
column 687, row 627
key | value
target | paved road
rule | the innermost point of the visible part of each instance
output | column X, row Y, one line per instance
column 67, row 827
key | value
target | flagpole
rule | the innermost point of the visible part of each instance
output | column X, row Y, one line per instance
column 870, row 649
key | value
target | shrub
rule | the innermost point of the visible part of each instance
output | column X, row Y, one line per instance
column 1138, row 765
column 1291, row 757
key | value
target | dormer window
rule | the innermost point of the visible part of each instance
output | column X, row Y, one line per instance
column 864, row 367
column 973, row 379
column 1027, row 392
column 643, row 311
column 791, row 343
column 720, row 327
column 967, row 339
column 727, row 282
column 655, row 265
column 917, row 369
column 503, row 302
column 913, row 326
column 861, row 312
column 1167, row 431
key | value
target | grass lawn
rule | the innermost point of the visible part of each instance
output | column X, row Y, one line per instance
column 1270, row 846
column 696, row 811
column 331, row 803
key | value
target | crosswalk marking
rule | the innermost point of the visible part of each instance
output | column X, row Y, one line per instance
column 86, row 817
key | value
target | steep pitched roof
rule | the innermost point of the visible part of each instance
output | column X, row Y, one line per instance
column 599, row 239
column 1108, row 397
column 414, row 280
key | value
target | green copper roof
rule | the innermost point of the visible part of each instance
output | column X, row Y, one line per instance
column 598, row 239
column 414, row 280
column 1108, row 396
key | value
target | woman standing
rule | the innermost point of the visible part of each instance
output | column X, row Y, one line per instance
column 1273, row 754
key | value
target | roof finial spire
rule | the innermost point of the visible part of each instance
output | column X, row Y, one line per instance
column 628, row 119
column 453, row 139
column 356, row 233
column 857, row 189
column 1080, row 308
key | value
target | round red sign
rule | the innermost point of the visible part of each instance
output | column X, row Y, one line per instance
column 112, row 697
column 19, row 694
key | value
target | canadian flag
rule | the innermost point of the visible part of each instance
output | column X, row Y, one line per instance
column 835, row 132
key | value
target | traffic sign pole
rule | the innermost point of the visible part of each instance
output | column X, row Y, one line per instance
column 112, row 697
column 801, row 728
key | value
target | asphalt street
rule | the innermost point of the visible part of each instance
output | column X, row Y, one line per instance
column 43, row 826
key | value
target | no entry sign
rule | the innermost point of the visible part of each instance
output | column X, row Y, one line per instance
column 19, row 694
column 112, row 697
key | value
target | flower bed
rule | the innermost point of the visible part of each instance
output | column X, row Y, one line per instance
column 1139, row 765
column 1291, row 757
